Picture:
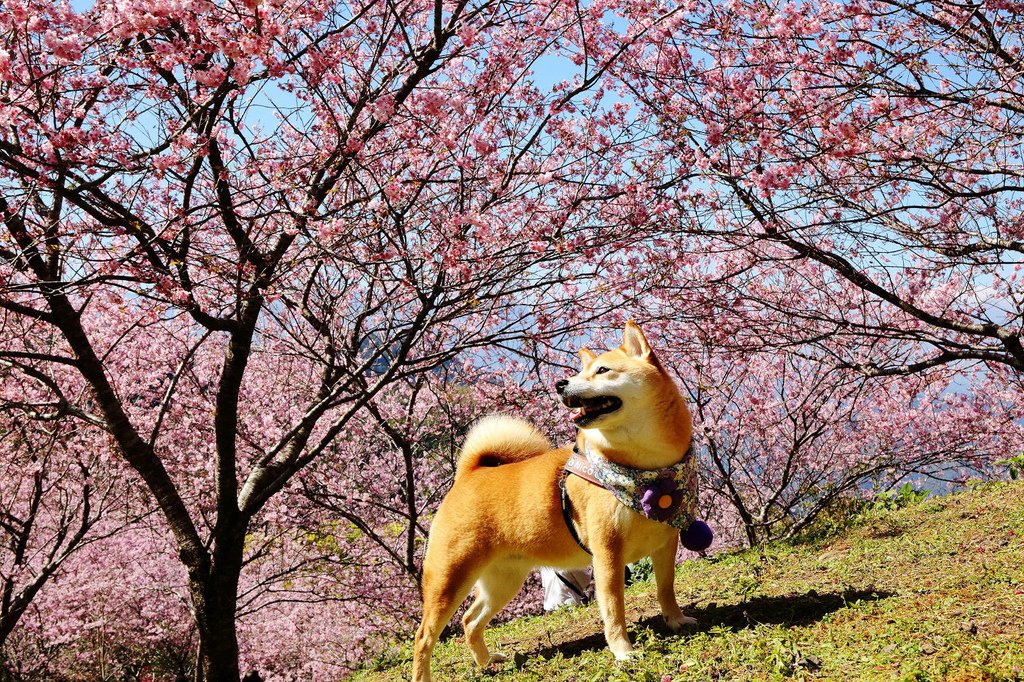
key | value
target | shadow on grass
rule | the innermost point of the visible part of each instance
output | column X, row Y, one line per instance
column 798, row 609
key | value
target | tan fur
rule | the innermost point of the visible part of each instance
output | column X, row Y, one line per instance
column 503, row 515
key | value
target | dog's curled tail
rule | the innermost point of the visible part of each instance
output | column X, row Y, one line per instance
column 499, row 439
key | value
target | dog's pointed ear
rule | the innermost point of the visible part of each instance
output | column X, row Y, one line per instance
column 634, row 343
column 586, row 357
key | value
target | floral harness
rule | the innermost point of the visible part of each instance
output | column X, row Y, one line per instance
column 666, row 495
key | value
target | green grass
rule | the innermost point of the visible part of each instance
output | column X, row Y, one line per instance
column 931, row 591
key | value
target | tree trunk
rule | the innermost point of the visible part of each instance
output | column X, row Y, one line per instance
column 218, row 655
column 215, row 599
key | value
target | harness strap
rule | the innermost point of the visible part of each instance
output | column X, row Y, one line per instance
column 581, row 466
column 567, row 513
column 573, row 587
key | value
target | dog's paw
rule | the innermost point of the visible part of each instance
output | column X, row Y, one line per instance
column 624, row 655
column 677, row 623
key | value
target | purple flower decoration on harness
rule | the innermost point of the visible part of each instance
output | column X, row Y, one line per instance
column 661, row 498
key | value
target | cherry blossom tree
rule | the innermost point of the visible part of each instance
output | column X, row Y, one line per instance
column 201, row 198
column 61, row 492
column 118, row 609
column 869, row 147
column 50, row 505
column 785, row 438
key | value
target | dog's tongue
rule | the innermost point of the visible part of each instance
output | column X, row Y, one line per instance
column 578, row 413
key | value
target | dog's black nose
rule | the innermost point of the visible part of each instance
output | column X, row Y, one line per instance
column 560, row 385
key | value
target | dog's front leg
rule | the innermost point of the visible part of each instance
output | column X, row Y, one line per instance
column 664, row 561
column 610, row 584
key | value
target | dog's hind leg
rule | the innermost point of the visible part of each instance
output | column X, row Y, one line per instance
column 444, row 587
column 494, row 589
column 664, row 561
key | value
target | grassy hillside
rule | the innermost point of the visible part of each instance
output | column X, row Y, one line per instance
column 931, row 591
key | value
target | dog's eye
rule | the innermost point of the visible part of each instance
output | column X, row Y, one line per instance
column 602, row 370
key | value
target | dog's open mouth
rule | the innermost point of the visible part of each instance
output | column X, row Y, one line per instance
column 588, row 409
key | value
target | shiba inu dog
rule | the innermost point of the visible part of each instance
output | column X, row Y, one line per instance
column 506, row 515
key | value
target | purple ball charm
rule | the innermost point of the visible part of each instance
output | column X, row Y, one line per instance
column 697, row 537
